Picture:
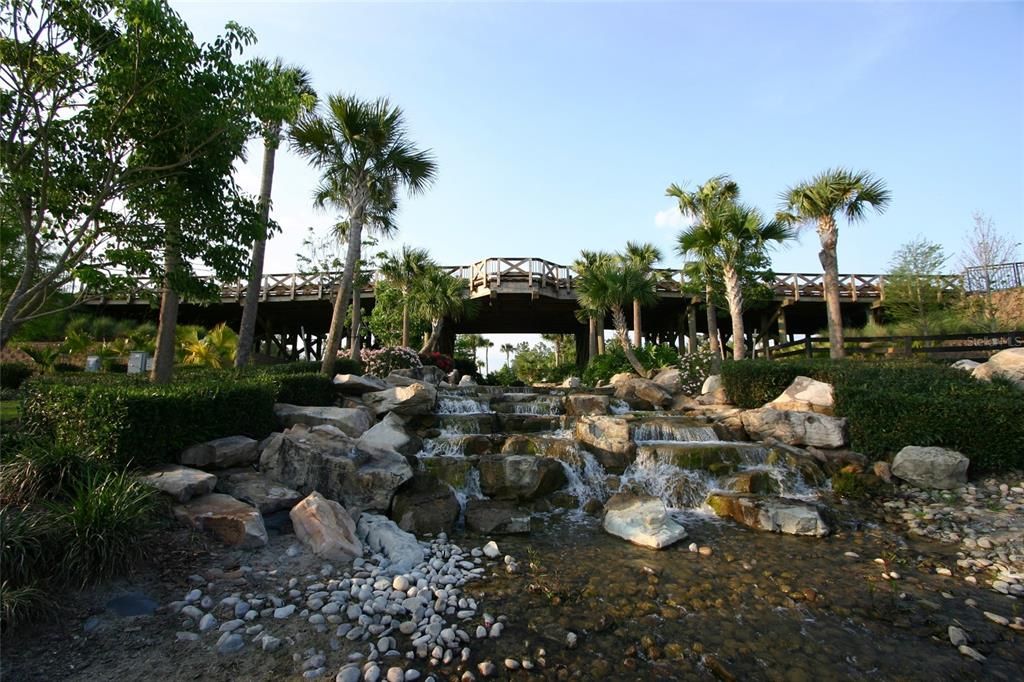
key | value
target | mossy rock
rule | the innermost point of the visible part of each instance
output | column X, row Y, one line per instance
column 858, row 485
column 452, row 470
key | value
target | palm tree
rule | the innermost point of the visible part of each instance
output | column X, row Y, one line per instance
column 487, row 355
column 837, row 190
column 592, row 316
column 697, row 205
column 365, row 156
column 441, row 296
column 728, row 236
column 294, row 96
column 507, row 349
column 643, row 256
column 612, row 287
column 403, row 269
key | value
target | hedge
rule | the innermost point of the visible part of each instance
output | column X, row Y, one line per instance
column 303, row 389
column 123, row 420
column 893, row 404
column 14, row 374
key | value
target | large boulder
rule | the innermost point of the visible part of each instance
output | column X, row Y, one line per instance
column 1008, row 364
column 642, row 394
column 608, row 439
column 496, row 517
column 222, row 453
column 353, row 422
column 965, row 365
column 669, row 379
column 795, row 428
column 353, row 384
column 326, row 528
column 425, row 505
column 775, row 514
column 382, row 535
column 584, row 404
column 180, row 482
column 252, row 487
column 389, row 435
column 416, row 399
column 326, row 460
column 931, row 467
column 806, row 395
column 402, row 377
column 713, row 391
column 433, row 375
column 520, row 477
column 455, row 471
column 641, row 519
column 233, row 522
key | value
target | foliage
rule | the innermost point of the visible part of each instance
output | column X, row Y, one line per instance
column 14, row 374
column 695, row 368
column 466, row 367
column 40, row 469
column 915, row 295
column 984, row 248
column 602, row 368
column 504, row 376
column 382, row 362
column 439, row 360
column 540, row 363
column 385, row 320
column 215, row 349
column 308, row 388
column 123, row 420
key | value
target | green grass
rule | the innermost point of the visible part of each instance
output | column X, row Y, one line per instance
column 10, row 410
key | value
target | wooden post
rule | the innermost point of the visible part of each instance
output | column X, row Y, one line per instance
column 782, row 324
column 681, row 329
column 691, row 323
column 808, row 347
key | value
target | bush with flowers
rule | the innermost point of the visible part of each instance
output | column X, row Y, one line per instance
column 439, row 360
column 381, row 362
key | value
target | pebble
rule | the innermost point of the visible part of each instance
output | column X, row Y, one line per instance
column 396, row 674
column 349, row 673
column 968, row 651
column 284, row 611
column 956, row 636
column 270, row 643
column 208, row 622
column 704, row 550
column 487, row 669
column 511, row 664
column 942, row 570
column 230, row 643
column 186, row 636
column 491, row 550
column 996, row 618
column 571, row 640
column 371, row 673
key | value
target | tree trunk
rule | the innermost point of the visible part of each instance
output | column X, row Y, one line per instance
column 405, row 318
column 435, row 336
column 355, row 236
column 163, row 361
column 637, row 327
column 830, row 264
column 592, row 340
column 247, row 328
column 357, row 322
column 734, row 294
column 619, row 320
column 716, row 347
column 600, row 339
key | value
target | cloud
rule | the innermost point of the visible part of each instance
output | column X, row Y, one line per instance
column 670, row 218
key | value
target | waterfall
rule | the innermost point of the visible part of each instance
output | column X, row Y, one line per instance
column 586, row 478
column 446, row 445
column 470, row 491
column 677, row 488
column 448, row 404
column 618, row 406
column 541, row 406
column 672, row 431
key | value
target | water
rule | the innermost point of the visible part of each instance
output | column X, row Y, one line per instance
column 449, row 404
column 677, row 488
column 587, row 478
column 672, row 430
column 547, row 407
column 618, row 407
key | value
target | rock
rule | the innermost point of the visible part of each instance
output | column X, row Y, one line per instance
column 713, row 392
column 389, row 435
column 682, row 403
column 956, row 635
column 351, row 421
column 883, row 470
column 572, row 382
column 931, row 467
column 416, row 399
column 349, row 673
column 230, row 643
column 433, row 375
column 795, row 428
column 425, row 505
column 971, row 653
column 326, row 460
column 232, row 522
column 641, row 519
column 381, row 534
column 467, row 381
column 256, row 489
column 402, row 377
column 775, row 514
column 487, row 669
column 353, row 384
column 669, row 379
column 642, row 394
column 326, row 528
column 520, row 477
column 180, row 482
column 805, row 395
column 491, row 550
column 1008, row 364
column 621, row 377
column 233, row 451
column 608, row 438
column 966, row 365
column 583, row 404
column 496, row 517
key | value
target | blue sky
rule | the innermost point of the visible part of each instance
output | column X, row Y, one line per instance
column 558, row 126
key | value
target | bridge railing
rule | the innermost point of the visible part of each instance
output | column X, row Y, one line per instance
column 994, row 277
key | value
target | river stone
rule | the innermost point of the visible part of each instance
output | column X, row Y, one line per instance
column 519, row 477
column 425, row 505
column 326, row 528
column 641, row 519
column 234, row 523
column 180, row 482
column 1008, row 364
column 324, row 459
column 805, row 395
column 221, row 453
column 586, row 404
column 642, row 394
column 381, row 534
column 352, row 421
column 931, row 467
column 775, row 514
column 256, row 489
column 353, row 384
column 966, row 365
column 390, row 435
column 416, row 399
column 795, row 428
column 608, row 439
column 496, row 517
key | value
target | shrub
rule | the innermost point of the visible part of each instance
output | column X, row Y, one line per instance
column 504, row 376
column 694, row 369
column 303, row 367
column 439, row 360
column 14, row 374
column 603, row 367
column 382, row 362
column 124, row 419
column 752, row 383
column 466, row 366
column 304, row 389
column 40, row 469
column 27, row 555
column 657, row 356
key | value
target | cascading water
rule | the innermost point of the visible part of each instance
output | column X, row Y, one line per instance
column 540, row 406
column 618, row 407
column 453, row 404
column 671, row 431
column 586, row 478
column 678, row 488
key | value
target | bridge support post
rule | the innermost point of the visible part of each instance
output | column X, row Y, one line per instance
column 681, row 333
column 783, row 336
column 583, row 345
column 691, row 322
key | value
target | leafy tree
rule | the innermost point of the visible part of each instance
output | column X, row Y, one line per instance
column 914, row 287
column 291, row 94
column 365, row 156
column 405, row 269
column 818, row 201
column 441, row 296
column 643, row 257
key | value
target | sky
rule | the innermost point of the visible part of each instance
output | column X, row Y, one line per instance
column 558, row 126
